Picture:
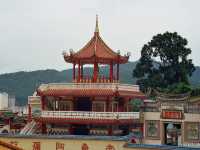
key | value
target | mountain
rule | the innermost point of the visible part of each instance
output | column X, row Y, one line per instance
column 23, row 84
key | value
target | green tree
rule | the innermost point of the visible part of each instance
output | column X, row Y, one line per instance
column 164, row 62
column 136, row 104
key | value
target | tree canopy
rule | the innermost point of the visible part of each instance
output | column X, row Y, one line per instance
column 164, row 62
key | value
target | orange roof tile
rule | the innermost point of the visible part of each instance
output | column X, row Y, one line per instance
column 90, row 92
column 9, row 146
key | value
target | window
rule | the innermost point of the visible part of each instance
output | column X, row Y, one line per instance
column 98, row 106
column 192, row 131
column 65, row 105
column 115, row 107
column 152, row 129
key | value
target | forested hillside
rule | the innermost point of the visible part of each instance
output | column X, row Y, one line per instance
column 23, row 84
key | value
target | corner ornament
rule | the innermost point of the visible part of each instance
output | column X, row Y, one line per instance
column 110, row 147
column 84, row 147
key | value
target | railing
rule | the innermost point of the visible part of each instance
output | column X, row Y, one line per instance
column 29, row 128
column 99, row 80
column 90, row 115
column 150, row 109
column 192, row 109
column 34, row 100
column 113, row 86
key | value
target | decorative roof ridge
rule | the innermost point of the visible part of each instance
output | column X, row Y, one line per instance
column 107, row 47
column 84, row 47
column 9, row 145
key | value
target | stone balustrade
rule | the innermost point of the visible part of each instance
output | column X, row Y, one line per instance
column 90, row 115
column 113, row 86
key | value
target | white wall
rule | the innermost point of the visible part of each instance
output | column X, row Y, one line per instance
column 3, row 101
column 21, row 110
column 11, row 101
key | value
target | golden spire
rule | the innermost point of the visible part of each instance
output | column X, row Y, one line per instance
column 97, row 25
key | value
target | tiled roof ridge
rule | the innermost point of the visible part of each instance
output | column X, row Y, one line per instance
column 8, row 145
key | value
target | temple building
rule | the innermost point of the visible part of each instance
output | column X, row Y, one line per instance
column 172, row 119
column 96, row 112
column 94, row 103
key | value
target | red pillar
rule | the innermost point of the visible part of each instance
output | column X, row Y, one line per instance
column 29, row 113
column 107, row 104
column 43, row 102
column 111, row 72
column 44, row 128
column 142, row 129
column 126, row 103
column 74, row 71
column 117, row 71
column 110, row 130
column 79, row 72
column 71, row 129
column 95, row 73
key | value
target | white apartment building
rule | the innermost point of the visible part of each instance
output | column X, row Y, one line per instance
column 3, row 100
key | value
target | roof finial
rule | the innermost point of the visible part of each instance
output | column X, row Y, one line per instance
column 97, row 25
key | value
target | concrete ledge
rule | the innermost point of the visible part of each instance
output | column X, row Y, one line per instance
column 69, row 137
column 157, row 147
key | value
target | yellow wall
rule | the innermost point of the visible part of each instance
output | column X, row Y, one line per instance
column 3, row 148
column 189, row 117
column 50, row 144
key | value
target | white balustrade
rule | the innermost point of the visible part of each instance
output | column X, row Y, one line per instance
column 113, row 86
column 90, row 115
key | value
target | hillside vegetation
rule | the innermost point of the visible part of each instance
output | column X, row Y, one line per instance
column 23, row 84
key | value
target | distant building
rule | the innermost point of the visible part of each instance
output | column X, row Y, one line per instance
column 7, row 101
column 3, row 100
column 11, row 101
column 21, row 110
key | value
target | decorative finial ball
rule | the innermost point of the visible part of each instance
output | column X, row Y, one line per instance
column 64, row 53
column 128, row 54
column 71, row 51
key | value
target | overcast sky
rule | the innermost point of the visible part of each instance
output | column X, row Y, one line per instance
column 33, row 33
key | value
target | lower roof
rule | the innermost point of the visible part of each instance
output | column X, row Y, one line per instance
column 90, row 89
column 9, row 146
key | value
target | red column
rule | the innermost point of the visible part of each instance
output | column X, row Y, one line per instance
column 110, row 130
column 107, row 104
column 126, row 103
column 95, row 73
column 74, row 71
column 43, row 102
column 44, row 128
column 79, row 72
column 71, row 129
column 117, row 71
column 111, row 72
column 29, row 113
